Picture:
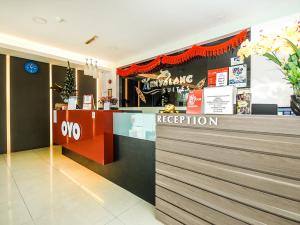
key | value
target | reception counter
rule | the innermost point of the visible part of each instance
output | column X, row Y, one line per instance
column 196, row 169
column 133, row 135
column 227, row 169
column 88, row 133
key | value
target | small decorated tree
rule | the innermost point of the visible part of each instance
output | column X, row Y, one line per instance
column 69, row 87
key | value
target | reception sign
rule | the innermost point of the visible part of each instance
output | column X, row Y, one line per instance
column 194, row 102
column 195, row 120
column 219, row 100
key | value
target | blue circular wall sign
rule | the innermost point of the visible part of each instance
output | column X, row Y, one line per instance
column 31, row 67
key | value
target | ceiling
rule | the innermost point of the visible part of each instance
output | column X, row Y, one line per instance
column 127, row 27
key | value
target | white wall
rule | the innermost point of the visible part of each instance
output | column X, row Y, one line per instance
column 267, row 84
column 105, row 85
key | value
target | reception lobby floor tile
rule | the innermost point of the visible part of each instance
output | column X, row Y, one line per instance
column 43, row 187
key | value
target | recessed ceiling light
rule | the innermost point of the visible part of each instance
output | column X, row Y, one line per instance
column 39, row 20
column 59, row 19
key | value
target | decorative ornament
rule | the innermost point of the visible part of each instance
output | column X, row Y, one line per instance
column 170, row 108
column 140, row 94
column 139, row 68
column 109, row 99
column 203, row 51
column 201, row 84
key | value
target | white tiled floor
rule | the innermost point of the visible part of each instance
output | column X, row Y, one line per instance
column 43, row 187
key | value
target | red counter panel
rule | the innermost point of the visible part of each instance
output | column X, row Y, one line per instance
column 96, row 133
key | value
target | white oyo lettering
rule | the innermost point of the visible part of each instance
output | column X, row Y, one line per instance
column 70, row 126
column 64, row 128
column 71, row 129
column 76, row 131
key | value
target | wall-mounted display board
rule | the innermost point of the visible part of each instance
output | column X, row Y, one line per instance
column 2, row 104
column 169, row 83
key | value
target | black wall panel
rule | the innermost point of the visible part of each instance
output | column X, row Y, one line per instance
column 2, row 104
column 30, row 121
column 87, row 85
column 133, row 168
column 58, row 77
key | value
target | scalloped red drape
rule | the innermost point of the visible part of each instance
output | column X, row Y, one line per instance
column 194, row 51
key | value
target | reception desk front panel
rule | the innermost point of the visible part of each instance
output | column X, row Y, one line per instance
column 85, row 132
column 133, row 135
column 228, row 169
column 135, row 125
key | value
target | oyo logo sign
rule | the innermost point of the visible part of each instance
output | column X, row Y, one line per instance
column 71, row 129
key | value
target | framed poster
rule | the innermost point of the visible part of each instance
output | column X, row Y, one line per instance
column 238, row 75
column 87, row 102
column 222, row 78
column 72, row 102
column 217, row 77
column 194, row 102
column 109, row 92
column 236, row 61
column 243, row 101
column 219, row 100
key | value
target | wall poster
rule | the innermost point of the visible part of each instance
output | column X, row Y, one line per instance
column 219, row 100
column 238, row 75
column 194, row 102
column 217, row 77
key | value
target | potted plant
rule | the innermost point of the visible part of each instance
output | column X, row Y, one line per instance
column 284, row 50
column 108, row 101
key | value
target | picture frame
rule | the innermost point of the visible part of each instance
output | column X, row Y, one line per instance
column 109, row 92
column 72, row 102
column 87, row 102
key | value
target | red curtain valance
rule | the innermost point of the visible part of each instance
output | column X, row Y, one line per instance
column 194, row 51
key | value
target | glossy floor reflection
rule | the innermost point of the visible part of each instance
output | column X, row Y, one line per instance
column 43, row 187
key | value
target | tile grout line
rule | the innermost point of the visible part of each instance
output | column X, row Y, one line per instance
column 58, row 170
column 13, row 178
column 114, row 216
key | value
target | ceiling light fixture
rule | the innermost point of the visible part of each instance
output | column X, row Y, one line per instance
column 92, row 39
column 39, row 20
column 36, row 48
column 92, row 69
column 59, row 19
